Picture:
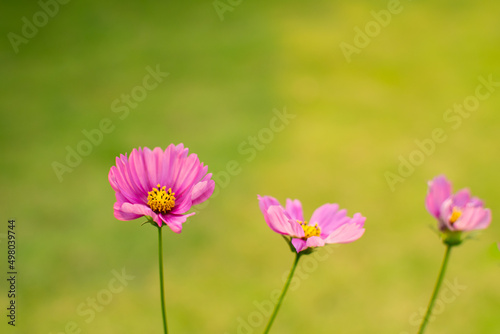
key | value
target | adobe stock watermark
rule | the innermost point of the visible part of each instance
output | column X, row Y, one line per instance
column 30, row 27
column 120, row 106
column 264, row 308
column 454, row 117
column 372, row 29
column 87, row 309
column 249, row 149
column 222, row 6
column 447, row 295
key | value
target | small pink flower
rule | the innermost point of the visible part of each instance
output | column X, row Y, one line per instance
column 159, row 184
column 328, row 224
column 455, row 212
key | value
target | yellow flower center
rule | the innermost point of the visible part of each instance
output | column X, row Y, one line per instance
column 310, row 230
column 161, row 201
column 455, row 215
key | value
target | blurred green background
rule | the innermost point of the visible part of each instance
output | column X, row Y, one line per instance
column 227, row 73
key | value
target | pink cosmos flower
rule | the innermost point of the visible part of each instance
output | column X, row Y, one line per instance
column 458, row 212
column 328, row 224
column 159, row 184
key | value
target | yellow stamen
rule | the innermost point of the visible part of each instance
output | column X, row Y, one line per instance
column 310, row 230
column 161, row 201
column 455, row 215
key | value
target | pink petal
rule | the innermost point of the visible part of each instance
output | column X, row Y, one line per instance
column 175, row 221
column 138, row 170
column 348, row 232
column 202, row 173
column 281, row 223
column 485, row 221
column 121, row 178
column 358, row 219
column 174, row 161
column 461, row 198
column 139, row 209
column 315, row 242
column 120, row 215
column 445, row 214
column 151, row 165
column 328, row 218
column 473, row 218
column 187, row 176
column 168, row 172
column 203, row 190
column 299, row 244
column 265, row 203
column 112, row 179
column 439, row 191
column 475, row 201
column 182, row 204
column 135, row 169
column 294, row 209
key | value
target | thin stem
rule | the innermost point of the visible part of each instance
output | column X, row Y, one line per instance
column 283, row 293
column 162, row 289
column 436, row 289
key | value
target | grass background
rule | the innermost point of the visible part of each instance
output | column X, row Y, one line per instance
column 352, row 122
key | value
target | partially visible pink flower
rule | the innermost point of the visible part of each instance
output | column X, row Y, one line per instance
column 328, row 224
column 455, row 212
column 160, row 184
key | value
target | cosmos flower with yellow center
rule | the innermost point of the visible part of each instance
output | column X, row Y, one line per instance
column 328, row 224
column 455, row 213
column 160, row 184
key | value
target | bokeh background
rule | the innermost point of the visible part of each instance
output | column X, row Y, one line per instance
column 229, row 73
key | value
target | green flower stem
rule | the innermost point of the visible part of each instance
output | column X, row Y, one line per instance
column 162, row 289
column 436, row 289
column 283, row 293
